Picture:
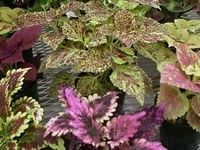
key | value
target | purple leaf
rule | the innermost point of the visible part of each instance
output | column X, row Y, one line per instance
column 31, row 75
column 173, row 75
column 121, row 128
column 147, row 145
column 150, row 122
column 59, row 125
column 104, row 106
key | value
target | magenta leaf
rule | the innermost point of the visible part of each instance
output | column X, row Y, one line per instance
column 173, row 75
column 104, row 106
column 121, row 128
column 147, row 145
column 59, row 125
column 150, row 122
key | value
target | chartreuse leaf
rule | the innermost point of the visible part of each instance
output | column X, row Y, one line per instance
column 193, row 120
column 152, row 3
column 7, row 15
column 34, row 139
column 5, row 27
column 121, row 128
column 103, row 107
column 195, row 104
column 193, row 40
column 132, row 80
column 191, row 25
column 123, row 4
column 28, row 104
column 175, row 103
column 16, row 124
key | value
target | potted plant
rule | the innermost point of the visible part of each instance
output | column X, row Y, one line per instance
column 179, row 91
column 87, row 123
column 20, row 126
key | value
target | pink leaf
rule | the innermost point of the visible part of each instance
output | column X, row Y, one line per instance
column 173, row 75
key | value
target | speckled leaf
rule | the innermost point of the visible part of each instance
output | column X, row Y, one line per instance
column 173, row 75
column 93, row 60
column 28, row 104
column 103, row 107
column 73, row 30
column 193, row 120
column 158, row 52
column 59, row 125
column 175, row 103
column 53, row 40
column 60, row 58
column 152, row 3
column 84, row 126
column 34, row 139
column 97, row 39
column 195, row 104
column 121, row 128
column 144, row 144
column 17, row 124
column 131, row 79
column 15, row 79
column 123, row 20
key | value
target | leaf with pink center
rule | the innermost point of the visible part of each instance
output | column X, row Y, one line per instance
column 193, row 120
column 173, row 75
column 150, row 122
column 34, row 139
column 195, row 104
column 176, row 104
column 103, row 107
column 148, row 145
column 59, row 125
column 28, row 104
column 16, row 124
column 121, row 128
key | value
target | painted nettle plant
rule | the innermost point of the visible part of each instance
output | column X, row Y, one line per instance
column 87, row 123
column 180, row 90
column 100, row 38
column 20, row 127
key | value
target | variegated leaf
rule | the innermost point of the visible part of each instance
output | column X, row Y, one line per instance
column 9, row 145
column 193, row 120
column 93, row 60
column 175, row 103
column 15, row 79
column 173, row 75
column 74, row 30
column 121, row 128
column 123, row 20
column 28, row 104
column 5, row 27
column 132, row 80
column 195, row 104
column 17, row 124
column 53, row 40
column 59, row 125
column 152, row 3
column 158, row 52
column 97, row 39
column 103, row 107
column 34, row 139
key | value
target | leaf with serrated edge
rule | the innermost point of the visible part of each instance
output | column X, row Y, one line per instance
column 195, row 104
column 193, row 120
column 175, row 103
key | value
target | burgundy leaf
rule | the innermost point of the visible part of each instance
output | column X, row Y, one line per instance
column 104, row 106
column 59, row 125
column 173, row 75
column 25, row 38
column 31, row 75
column 125, row 146
column 121, row 128
column 195, row 104
column 147, row 145
column 150, row 122
column 36, row 61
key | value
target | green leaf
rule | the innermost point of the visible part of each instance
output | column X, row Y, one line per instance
column 5, row 27
column 129, row 51
column 132, row 80
column 193, row 120
column 175, row 103
column 9, row 145
column 123, row 4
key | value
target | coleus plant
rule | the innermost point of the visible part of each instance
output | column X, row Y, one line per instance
column 180, row 90
column 88, row 123
column 20, row 126
column 11, row 49
column 100, row 40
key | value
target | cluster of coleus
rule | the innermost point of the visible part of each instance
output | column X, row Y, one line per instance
column 88, row 122
column 11, row 50
column 19, row 119
column 180, row 89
